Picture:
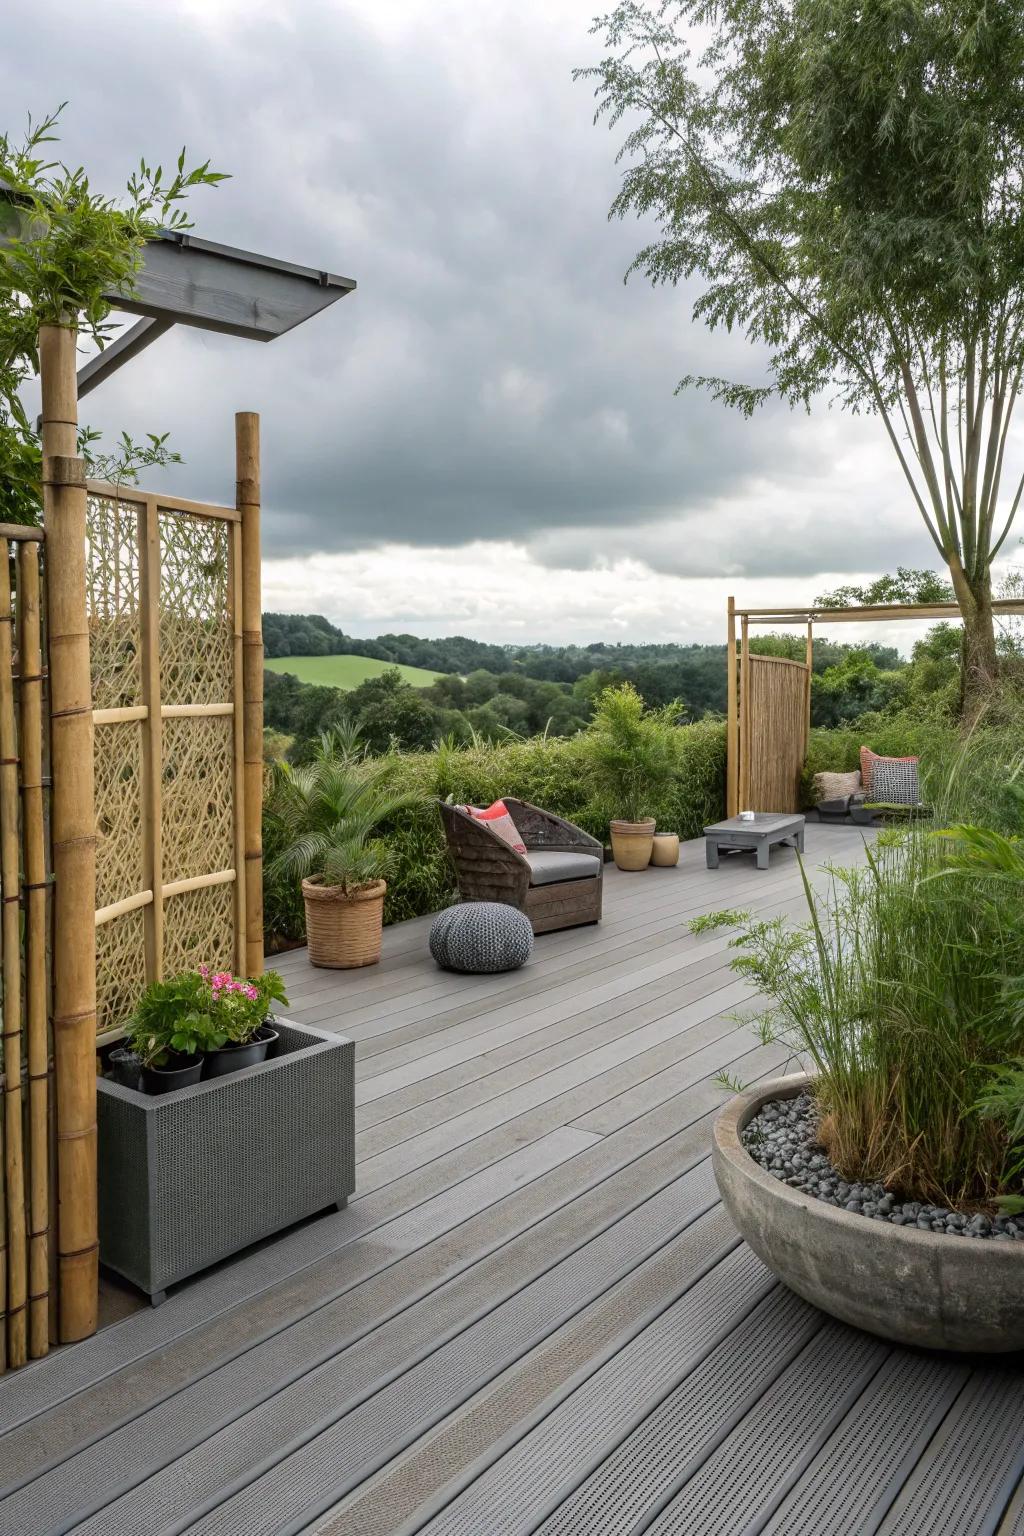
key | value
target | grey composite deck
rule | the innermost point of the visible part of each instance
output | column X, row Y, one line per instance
column 535, row 1315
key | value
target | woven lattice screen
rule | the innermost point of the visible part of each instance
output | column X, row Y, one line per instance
column 166, row 654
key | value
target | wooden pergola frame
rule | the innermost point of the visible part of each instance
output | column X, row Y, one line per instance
column 738, row 722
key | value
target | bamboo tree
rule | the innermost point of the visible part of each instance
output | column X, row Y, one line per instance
column 844, row 184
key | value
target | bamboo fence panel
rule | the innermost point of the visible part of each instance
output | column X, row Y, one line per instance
column 773, row 741
column 165, row 617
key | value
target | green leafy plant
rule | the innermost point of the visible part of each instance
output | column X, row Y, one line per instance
column 67, row 253
column 325, row 813
column 201, row 1010
column 632, row 752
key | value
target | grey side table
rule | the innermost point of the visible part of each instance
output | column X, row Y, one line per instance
column 762, row 834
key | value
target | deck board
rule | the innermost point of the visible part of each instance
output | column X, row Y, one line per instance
column 535, row 1315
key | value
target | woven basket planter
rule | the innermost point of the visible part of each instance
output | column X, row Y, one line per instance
column 343, row 932
column 189, row 1178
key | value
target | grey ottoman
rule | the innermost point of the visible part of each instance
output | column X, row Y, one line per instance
column 481, row 937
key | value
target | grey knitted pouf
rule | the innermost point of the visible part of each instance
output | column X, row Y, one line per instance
column 481, row 937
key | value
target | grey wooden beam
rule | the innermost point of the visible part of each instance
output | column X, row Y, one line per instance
column 128, row 345
column 188, row 281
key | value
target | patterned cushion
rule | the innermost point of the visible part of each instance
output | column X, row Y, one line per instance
column 481, row 937
column 894, row 781
column 497, row 818
column 835, row 786
column 868, row 760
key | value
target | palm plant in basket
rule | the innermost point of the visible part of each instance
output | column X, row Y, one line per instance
column 327, row 812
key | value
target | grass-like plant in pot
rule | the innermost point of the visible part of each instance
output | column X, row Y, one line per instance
column 327, row 811
column 902, row 998
column 633, row 754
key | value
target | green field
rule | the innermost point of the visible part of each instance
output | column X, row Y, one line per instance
column 344, row 671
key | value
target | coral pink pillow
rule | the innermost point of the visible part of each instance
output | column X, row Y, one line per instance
column 867, row 761
column 500, row 822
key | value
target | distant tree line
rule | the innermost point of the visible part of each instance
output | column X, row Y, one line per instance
column 527, row 690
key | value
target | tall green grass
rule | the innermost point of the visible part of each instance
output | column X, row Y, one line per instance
column 895, row 990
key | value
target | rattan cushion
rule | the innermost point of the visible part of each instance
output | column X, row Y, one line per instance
column 481, row 937
column 547, row 868
column 835, row 786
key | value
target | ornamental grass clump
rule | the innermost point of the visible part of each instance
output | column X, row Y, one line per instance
column 904, row 991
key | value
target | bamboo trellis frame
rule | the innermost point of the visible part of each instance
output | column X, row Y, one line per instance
column 168, row 594
column 748, row 737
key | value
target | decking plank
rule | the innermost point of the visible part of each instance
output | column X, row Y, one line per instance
column 533, row 1316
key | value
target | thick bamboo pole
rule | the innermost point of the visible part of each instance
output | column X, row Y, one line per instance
column 10, row 882
column 810, row 670
column 247, row 499
column 238, row 743
column 34, row 865
column 74, row 837
column 731, row 720
column 745, row 715
column 152, row 737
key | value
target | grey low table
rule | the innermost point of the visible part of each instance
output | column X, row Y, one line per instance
column 762, row 834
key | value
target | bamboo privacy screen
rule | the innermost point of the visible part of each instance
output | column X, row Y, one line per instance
column 165, row 628
column 768, row 712
column 24, row 1125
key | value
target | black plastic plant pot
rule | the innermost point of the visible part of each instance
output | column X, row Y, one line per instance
column 125, row 1066
column 180, row 1072
column 232, row 1058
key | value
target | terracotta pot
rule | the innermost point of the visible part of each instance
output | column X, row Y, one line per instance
column 665, row 853
column 343, row 932
column 632, row 842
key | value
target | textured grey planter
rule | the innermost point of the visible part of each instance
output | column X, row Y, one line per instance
column 188, row 1178
column 915, row 1287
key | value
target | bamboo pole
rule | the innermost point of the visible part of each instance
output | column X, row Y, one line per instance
column 152, row 738
column 73, row 823
column 10, row 882
column 34, row 864
column 745, row 714
column 810, row 671
column 731, row 720
column 238, row 742
column 247, row 499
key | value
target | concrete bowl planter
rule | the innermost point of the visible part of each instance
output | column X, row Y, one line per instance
column 190, row 1177
column 922, row 1288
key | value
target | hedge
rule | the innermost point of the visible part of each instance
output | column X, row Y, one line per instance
column 553, row 773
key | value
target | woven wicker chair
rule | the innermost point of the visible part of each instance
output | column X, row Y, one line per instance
column 487, row 869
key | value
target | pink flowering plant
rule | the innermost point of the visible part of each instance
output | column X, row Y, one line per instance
column 201, row 1010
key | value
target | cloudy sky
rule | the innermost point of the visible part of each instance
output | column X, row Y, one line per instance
column 483, row 438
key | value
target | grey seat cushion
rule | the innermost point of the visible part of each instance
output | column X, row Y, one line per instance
column 547, row 868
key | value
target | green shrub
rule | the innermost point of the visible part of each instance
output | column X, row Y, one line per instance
column 963, row 775
column 631, row 753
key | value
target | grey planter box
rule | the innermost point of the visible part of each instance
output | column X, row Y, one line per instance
column 191, row 1177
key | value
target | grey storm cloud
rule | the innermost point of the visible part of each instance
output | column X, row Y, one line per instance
column 492, row 377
